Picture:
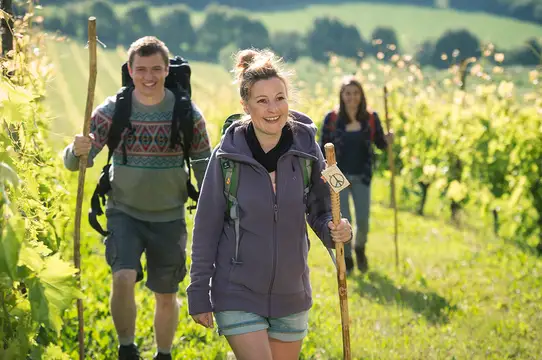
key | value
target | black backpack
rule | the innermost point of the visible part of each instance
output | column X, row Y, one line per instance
column 178, row 82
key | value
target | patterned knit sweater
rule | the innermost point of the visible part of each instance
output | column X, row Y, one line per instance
column 152, row 185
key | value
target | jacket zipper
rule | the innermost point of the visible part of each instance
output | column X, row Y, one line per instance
column 275, row 220
column 275, row 244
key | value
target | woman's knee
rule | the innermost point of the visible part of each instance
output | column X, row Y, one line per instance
column 253, row 345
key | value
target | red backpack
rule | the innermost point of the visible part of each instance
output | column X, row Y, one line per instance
column 332, row 123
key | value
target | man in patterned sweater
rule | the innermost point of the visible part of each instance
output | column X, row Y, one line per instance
column 145, row 207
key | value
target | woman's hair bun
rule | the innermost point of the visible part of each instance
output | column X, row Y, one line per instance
column 245, row 58
column 252, row 65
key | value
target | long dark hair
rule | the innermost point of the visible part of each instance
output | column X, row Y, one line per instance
column 362, row 115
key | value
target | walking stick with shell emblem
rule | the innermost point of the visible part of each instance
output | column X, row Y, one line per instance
column 338, row 182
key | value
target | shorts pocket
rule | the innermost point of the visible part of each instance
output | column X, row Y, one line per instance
column 113, row 217
column 111, row 253
column 180, row 271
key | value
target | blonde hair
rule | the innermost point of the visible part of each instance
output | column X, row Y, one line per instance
column 253, row 65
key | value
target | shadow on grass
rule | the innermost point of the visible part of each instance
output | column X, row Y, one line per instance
column 465, row 222
column 429, row 304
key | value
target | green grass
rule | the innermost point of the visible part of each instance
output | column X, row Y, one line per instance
column 413, row 24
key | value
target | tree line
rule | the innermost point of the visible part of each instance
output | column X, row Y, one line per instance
column 525, row 10
column 224, row 30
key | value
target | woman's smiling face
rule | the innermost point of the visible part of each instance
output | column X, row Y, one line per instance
column 267, row 106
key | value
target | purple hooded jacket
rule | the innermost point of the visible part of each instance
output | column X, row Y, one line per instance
column 272, row 276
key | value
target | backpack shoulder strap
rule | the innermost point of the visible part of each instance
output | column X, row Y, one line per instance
column 230, row 120
column 120, row 121
column 333, row 117
column 182, row 133
column 182, row 121
column 230, row 171
column 306, row 171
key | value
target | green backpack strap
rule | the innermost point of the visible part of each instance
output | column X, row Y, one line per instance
column 306, row 170
column 230, row 120
column 230, row 171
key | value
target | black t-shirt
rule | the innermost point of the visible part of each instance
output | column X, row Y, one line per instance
column 355, row 152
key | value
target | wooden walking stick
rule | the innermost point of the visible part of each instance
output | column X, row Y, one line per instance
column 391, row 163
column 81, row 181
column 337, row 182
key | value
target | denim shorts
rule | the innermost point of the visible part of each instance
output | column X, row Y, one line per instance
column 288, row 328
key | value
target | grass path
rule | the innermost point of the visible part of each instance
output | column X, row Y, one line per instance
column 110, row 70
column 81, row 62
column 59, row 93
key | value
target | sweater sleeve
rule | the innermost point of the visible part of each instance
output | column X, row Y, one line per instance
column 100, row 123
column 208, row 225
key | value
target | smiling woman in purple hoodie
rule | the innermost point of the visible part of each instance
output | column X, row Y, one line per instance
column 253, row 275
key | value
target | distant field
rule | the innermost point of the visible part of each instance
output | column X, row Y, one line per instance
column 413, row 24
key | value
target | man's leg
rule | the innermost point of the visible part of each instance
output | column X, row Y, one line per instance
column 166, row 320
column 166, row 269
column 124, row 247
column 123, row 306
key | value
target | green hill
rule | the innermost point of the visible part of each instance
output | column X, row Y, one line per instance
column 413, row 24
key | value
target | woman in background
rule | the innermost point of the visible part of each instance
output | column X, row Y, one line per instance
column 354, row 129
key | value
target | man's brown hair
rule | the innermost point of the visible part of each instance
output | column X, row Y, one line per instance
column 147, row 46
